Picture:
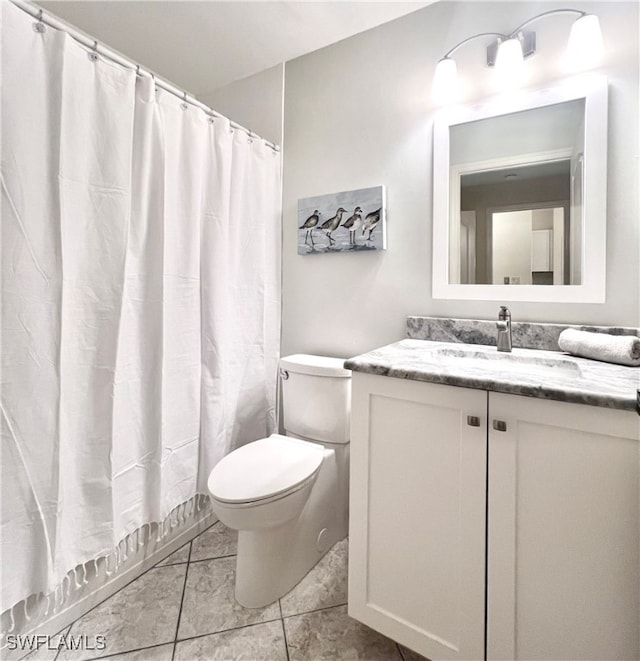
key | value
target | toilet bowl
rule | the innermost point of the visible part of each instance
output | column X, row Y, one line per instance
column 287, row 495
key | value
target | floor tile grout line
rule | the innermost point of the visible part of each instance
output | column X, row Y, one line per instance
column 172, row 564
column 286, row 642
column 136, row 649
column 67, row 630
column 314, row 610
column 215, row 633
column 284, row 632
column 184, row 562
column 251, row 624
column 181, row 562
column 184, row 589
column 217, row 557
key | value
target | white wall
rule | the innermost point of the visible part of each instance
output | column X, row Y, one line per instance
column 357, row 113
column 512, row 246
column 254, row 102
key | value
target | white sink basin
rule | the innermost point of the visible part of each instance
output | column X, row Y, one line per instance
column 521, row 361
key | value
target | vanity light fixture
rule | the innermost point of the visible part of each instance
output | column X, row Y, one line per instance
column 507, row 52
column 445, row 81
column 509, row 62
column 586, row 47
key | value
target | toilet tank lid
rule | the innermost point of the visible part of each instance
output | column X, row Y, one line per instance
column 302, row 363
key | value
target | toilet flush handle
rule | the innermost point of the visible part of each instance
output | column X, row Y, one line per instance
column 284, row 375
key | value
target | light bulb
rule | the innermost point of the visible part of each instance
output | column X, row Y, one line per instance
column 445, row 81
column 585, row 48
column 509, row 62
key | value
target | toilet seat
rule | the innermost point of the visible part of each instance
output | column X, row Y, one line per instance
column 265, row 470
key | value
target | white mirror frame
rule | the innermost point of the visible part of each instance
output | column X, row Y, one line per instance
column 591, row 88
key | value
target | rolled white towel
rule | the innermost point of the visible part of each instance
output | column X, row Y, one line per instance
column 621, row 349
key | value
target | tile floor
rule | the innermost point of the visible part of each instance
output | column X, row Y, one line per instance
column 183, row 609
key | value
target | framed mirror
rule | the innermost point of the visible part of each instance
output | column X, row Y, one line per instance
column 519, row 190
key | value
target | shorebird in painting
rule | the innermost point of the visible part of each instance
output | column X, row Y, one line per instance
column 330, row 225
column 352, row 223
column 309, row 225
column 371, row 220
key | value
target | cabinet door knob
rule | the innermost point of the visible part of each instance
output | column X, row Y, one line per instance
column 500, row 425
column 473, row 421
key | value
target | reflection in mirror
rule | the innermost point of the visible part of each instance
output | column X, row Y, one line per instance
column 538, row 195
column 528, row 247
column 514, row 211
column 520, row 195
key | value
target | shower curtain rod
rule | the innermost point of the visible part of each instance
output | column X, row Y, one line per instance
column 109, row 53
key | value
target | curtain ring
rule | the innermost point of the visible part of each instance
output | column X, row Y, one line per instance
column 184, row 105
column 137, row 69
column 39, row 26
column 250, row 138
column 211, row 118
column 93, row 54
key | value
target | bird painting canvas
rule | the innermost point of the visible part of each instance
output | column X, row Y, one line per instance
column 351, row 221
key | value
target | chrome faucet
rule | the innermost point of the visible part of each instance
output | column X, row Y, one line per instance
column 504, row 329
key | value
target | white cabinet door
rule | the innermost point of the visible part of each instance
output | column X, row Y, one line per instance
column 563, row 541
column 417, row 514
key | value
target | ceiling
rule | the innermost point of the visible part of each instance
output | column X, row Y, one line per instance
column 560, row 168
column 201, row 46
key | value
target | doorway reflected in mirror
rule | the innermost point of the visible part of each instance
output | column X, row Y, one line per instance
column 505, row 217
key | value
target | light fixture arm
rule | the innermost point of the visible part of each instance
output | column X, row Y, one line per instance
column 546, row 13
column 585, row 49
column 502, row 37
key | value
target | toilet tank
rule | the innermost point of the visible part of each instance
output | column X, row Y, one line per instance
column 316, row 398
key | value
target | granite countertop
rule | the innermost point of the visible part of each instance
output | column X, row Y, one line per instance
column 530, row 372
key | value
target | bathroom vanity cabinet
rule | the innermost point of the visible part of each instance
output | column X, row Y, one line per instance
column 492, row 525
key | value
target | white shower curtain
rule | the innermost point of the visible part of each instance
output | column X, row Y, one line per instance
column 140, row 302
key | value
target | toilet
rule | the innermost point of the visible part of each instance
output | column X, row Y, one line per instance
column 288, row 496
